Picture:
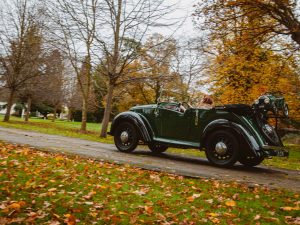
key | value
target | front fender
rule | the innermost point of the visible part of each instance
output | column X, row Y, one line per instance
column 226, row 124
column 138, row 120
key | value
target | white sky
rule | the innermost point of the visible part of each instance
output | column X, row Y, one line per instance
column 185, row 10
column 182, row 14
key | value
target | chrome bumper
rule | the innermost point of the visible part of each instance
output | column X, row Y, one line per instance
column 275, row 151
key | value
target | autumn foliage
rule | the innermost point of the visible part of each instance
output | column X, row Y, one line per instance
column 46, row 188
column 246, row 59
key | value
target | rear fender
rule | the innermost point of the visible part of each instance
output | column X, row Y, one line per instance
column 138, row 120
column 237, row 128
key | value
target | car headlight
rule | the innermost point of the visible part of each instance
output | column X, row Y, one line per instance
column 267, row 100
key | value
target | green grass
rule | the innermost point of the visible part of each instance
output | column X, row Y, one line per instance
column 71, row 129
column 59, row 127
column 43, row 188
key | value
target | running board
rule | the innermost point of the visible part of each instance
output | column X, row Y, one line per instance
column 175, row 142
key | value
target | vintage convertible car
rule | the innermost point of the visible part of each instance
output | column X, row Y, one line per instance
column 227, row 133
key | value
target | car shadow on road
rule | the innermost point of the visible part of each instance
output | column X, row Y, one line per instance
column 203, row 161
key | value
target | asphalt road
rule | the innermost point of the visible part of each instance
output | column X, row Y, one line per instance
column 171, row 163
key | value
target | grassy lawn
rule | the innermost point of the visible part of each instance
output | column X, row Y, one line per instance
column 71, row 129
column 42, row 188
column 59, row 127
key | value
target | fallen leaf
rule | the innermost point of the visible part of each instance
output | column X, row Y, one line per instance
column 17, row 205
column 236, row 196
column 230, row 203
column 210, row 201
column 149, row 209
column 196, row 195
column 257, row 217
column 289, row 208
column 53, row 222
column 140, row 192
column 193, row 197
column 52, row 189
column 213, row 214
column 190, row 199
column 155, row 178
column 292, row 220
column 70, row 219
column 89, row 203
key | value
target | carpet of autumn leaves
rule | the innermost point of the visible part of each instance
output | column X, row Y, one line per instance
column 44, row 188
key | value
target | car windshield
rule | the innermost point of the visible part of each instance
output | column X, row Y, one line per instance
column 169, row 105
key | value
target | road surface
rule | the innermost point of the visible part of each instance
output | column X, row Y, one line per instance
column 167, row 162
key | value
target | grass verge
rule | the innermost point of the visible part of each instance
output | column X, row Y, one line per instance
column 59, row 127
column 71, row 129
column 44, row 188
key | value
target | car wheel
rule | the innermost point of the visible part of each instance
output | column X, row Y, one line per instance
column 157, row 148
column 250, row 161
column 126, row 137
column 222, row 148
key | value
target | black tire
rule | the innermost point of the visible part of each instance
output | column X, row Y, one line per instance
column 250, row 161
column 222, row 148
column 157, row 148
column 131, row 143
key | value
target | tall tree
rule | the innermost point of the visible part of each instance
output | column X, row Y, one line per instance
column 74, row 29
column 20, row 47
column 241, row 67
column 278, row 17
column 53, row 81
column 157, row 58
column 131, row 19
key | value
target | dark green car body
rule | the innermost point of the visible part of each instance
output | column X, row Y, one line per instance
column 228, row 133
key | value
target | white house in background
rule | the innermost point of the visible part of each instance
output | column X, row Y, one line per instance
column 3, row 111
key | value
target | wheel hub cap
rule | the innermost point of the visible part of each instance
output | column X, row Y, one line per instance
column 221, row 148
column 124, row 136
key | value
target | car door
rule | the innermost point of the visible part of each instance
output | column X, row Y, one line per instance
column 173, row 124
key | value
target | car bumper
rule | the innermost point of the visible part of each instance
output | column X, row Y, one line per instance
column 275, row 151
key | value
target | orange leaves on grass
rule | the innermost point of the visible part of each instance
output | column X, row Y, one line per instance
column 148, row 209
column 70, row 219
column 15, row 206
column 89, row 195
column 291, row 208
column 193, row 197
column 126, row 195
column 230, row 203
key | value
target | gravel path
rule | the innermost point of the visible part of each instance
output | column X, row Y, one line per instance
column 172, row 163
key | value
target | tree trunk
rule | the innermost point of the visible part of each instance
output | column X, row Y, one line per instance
column 296, row 37
column 84, row 113
column 107, row 111
column 69, row 114
column 9, row 105
column 54, row 114
column 27, row 113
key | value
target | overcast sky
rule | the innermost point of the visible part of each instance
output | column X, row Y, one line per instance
column 182, row 14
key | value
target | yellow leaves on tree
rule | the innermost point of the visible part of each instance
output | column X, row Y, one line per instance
column 242, row 72
column 245, row 63
column 145, row 77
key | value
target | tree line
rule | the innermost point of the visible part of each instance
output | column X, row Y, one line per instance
column 104, row 53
